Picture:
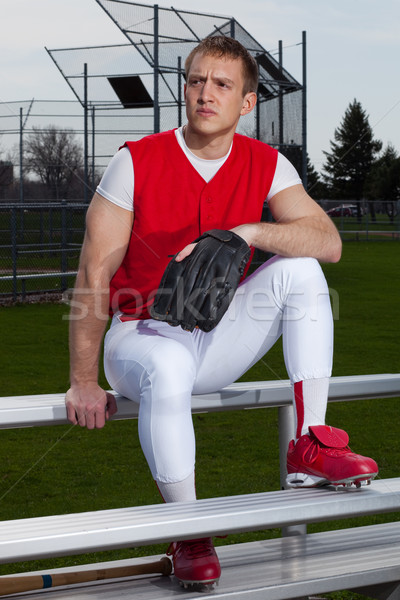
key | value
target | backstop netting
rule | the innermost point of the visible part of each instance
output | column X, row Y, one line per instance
column 122, row 92
column 136, row 88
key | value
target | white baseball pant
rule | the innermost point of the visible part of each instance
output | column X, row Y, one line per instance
column 160, row 366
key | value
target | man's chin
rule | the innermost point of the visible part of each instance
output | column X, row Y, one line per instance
column 206, row 127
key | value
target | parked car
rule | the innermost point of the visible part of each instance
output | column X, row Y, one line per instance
column 345, row 210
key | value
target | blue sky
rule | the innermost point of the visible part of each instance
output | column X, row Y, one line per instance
column 353, row 52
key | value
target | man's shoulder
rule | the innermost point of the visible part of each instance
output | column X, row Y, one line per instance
column 244, row 141
column 153, row 138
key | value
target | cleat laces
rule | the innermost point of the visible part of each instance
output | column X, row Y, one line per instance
column 312, row 452
column 198, row 549
column 193, row 548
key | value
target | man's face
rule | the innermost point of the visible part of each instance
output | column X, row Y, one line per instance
column 214, row 95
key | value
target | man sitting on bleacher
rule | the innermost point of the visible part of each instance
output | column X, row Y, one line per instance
column 180, row 184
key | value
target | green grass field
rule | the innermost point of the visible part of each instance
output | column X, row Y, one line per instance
column 53, row 470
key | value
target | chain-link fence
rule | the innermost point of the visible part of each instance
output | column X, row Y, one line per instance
column 138, row 88
column 122, row 92
column 365, row 221
column 39, row 249
column 41, row 242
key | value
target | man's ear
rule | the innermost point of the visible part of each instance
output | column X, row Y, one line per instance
column 249, row 102
column 184, row 91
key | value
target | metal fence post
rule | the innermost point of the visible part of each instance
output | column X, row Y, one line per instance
column 13, row 227
column 85, row 132
column 156, row 72
column 179, row 91
column 286, row 433
column 280, row 98
column 21, row 157
column 304, row 113
column 64, row 243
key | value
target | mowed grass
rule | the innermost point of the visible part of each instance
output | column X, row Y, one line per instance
column 64, row 469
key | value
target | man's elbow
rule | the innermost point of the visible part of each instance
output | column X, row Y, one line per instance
column 335, row 250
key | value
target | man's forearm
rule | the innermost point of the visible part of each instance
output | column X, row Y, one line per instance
column 307, row 236
column 88, row 320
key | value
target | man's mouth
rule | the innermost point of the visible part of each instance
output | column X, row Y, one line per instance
column 205, row 112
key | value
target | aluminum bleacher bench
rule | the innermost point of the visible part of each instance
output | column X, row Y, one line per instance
column 365, row 559
column 277, row 568
column 49, row 409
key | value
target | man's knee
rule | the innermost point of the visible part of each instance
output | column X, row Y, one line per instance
column 279, row 281
column 170, row 368
column 300, row 264
column 152, row 363
column 290, row 273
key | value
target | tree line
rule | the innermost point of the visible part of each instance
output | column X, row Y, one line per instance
column 53, row 167
column 356, row 168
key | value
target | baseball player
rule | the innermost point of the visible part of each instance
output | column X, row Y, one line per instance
column 156, row 198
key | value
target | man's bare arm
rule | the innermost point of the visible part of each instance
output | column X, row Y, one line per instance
column 301, row 228
column 108, row 230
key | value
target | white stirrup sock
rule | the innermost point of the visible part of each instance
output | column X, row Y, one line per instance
column 310, row 402
column 181, row 491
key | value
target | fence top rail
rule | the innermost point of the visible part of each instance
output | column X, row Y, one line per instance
column 20, row 276
column 372, row 231
column 49, row 409
column 42, row 204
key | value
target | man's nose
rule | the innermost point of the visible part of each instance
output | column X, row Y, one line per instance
column 206, row 92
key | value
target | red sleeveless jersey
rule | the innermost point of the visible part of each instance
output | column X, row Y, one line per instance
column 173, row 205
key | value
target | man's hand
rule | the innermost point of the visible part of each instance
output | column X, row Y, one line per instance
column 196, row 291
column 243, row 230
column 89, row 405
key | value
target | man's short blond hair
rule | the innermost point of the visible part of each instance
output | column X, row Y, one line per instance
column 225, row 47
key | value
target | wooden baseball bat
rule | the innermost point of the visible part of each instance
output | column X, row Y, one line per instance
column 26, row 583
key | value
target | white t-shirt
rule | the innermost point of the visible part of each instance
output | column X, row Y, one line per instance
column 117, row 183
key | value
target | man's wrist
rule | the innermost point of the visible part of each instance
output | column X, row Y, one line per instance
column 249, row 232
column 82, row 381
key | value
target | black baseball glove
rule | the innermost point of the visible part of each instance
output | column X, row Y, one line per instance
column 197, row 291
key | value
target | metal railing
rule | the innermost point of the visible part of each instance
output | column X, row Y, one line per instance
column 39, row 247
column 40, row 243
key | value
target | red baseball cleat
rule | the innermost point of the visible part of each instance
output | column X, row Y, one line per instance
column 195, row 561
column 323, row 457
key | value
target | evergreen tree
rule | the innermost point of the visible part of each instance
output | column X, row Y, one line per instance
column 315, row 186
column 383, row 181
column 352, row 155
